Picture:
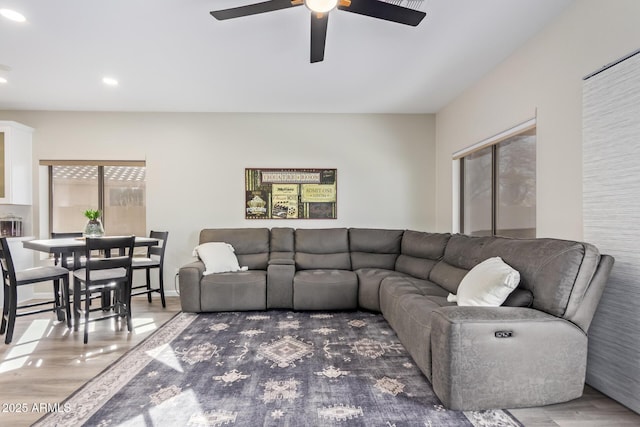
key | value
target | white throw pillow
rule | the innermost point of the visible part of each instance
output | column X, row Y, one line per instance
column 218, row 257
column 487, row 284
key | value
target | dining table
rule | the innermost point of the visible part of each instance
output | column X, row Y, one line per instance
column 76, row 247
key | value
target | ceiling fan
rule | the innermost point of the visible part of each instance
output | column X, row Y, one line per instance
column 320, row 15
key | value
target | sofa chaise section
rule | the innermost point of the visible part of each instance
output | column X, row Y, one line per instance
column 487, row 357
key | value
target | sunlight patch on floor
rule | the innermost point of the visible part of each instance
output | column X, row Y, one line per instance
column 165, row 354
column 10, row 365
column 98, row 351
column 174, row 398
column 185, row 399
column 144, row 325
column 24, row 346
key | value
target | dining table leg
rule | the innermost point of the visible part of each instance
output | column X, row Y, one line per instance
column 76, row 303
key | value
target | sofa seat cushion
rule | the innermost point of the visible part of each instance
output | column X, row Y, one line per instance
column 325, row 290
column 429, row 289
column 244, row 290
column 369, row 280
column 411, row 320
column 393, row 287
column 440, row 301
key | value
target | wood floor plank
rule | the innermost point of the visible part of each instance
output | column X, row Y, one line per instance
column 46, row 363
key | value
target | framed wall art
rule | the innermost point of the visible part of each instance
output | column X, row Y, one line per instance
column 291, row 193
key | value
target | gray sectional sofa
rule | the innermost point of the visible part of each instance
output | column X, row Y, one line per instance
column 531, row 351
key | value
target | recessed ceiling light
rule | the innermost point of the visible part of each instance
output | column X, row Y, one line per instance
column 12, row 15
column 3, row 80
column 109, row 81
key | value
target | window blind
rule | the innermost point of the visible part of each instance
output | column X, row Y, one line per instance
column 611, row 212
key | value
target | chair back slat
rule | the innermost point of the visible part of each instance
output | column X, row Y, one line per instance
column 123, row 245
column 108, row 263
column 111, row 242
column 158, row 250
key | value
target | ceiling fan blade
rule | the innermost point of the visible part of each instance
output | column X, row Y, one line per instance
column 318, row 35
column 253, row 9
column 386, row 11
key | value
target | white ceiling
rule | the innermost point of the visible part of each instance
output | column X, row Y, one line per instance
column 171, row 55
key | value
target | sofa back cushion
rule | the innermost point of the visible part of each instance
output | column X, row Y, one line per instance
column 282, row 243
column 326, row 248
column 552, row 270
column 374, row 248
column 420, row 251
column 251, row 245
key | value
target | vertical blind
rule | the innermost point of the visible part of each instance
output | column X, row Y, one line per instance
column 611, row 209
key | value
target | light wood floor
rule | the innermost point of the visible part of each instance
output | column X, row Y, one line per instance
column 45, row 363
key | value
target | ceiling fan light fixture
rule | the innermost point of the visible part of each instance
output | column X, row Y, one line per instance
column 321, row 6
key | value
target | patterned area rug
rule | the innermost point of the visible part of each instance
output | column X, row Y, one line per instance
column 272, row 368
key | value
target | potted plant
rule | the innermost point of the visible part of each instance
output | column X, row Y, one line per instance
column 94, row 226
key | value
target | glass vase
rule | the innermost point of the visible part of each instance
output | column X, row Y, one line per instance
column 94, row 228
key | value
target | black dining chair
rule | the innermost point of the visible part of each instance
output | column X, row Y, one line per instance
column 112, row 272
column 14, row 279
column 154, row 259
column 66, row 260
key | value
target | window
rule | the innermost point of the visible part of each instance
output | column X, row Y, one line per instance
column 117, row 189
column 477, row 192
column 498, row 185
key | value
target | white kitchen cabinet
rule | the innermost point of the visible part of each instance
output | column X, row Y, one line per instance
column 15, row 164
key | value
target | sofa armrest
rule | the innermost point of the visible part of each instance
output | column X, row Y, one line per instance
column 280, row 283
column 190, row 276
column 509, row 357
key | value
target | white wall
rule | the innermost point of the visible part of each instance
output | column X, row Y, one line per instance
column 545, row 75
column 196, row 162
